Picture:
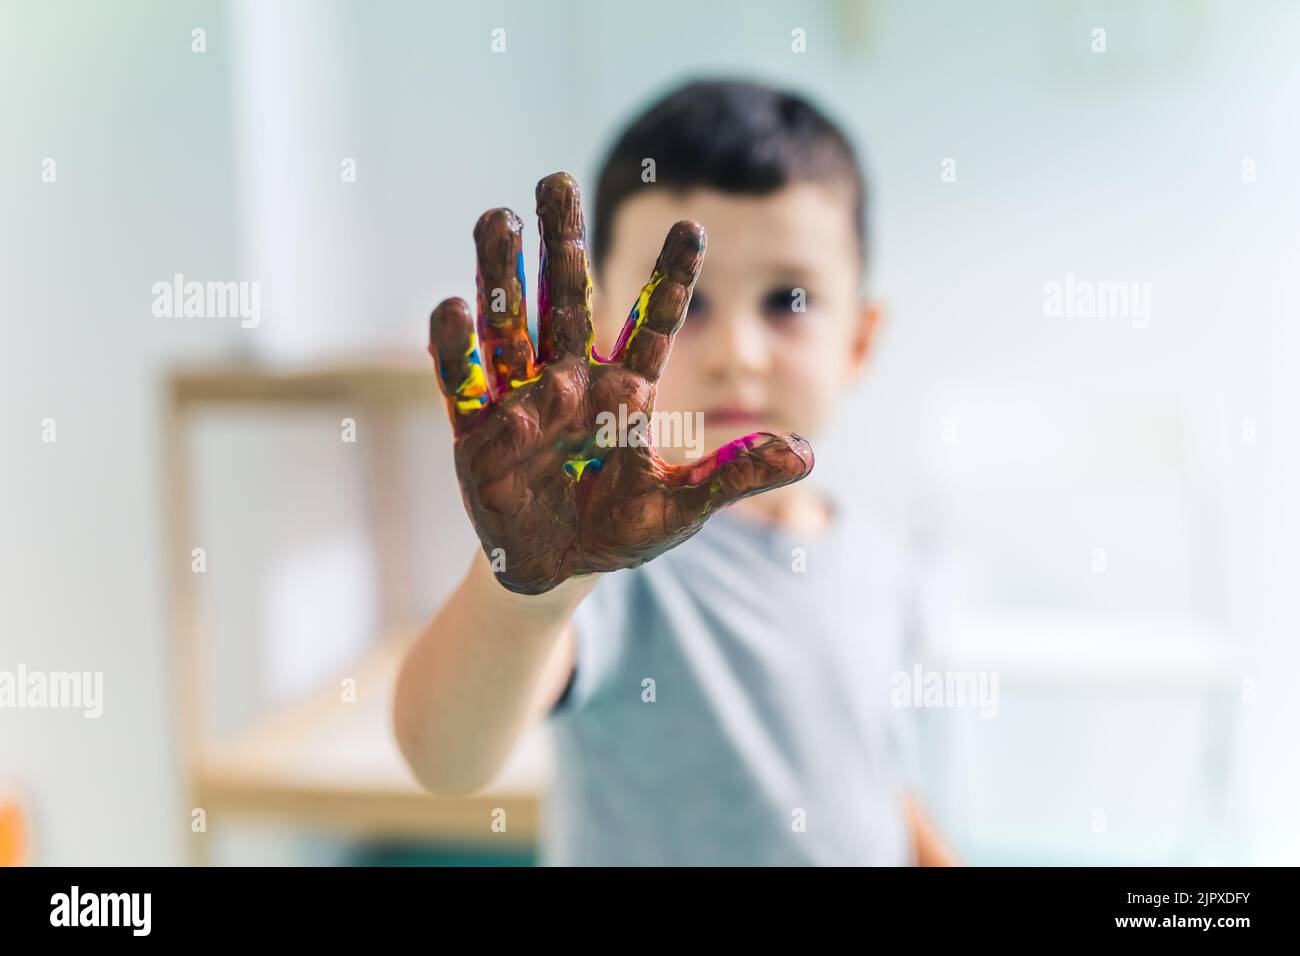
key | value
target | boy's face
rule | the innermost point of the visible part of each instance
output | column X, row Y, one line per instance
column 753, row 354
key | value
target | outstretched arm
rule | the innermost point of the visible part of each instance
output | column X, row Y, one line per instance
column 552, row 503
column 489, row 664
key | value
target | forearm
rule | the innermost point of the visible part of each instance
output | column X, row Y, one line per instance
column 466, row 686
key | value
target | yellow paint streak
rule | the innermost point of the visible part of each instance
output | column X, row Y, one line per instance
column 516, row 382
column 643, row 302
column 472, row 393
column 576, row 466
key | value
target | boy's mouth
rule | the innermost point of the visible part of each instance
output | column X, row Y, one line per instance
column 733, row 415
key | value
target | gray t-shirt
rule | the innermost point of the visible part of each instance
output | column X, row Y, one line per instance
column 729, row 708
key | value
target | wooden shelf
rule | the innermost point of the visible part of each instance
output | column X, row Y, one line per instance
column 325, row 763
column 335, row 764
column 382, row 382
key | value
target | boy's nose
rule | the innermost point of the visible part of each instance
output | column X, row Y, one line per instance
column 737, row 344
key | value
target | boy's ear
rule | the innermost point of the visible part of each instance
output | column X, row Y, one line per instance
column 870, row 317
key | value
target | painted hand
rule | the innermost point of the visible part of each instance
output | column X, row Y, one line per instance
column 549, row 494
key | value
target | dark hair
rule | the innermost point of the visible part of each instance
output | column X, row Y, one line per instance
column 733, row 136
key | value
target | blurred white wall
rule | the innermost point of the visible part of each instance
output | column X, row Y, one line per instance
column 140, row 133
column 1033, row 440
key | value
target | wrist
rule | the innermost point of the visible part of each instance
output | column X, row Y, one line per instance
column 563, row 598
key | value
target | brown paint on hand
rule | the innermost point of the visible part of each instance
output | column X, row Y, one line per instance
column 534, row 481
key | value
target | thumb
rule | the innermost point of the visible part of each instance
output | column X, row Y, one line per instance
column 756, row 463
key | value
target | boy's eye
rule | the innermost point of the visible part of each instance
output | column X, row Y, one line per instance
column 786, row 302
column 699, row 306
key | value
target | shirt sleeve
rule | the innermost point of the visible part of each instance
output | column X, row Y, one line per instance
column 906, row 747
column 904, row 730
column 599, row 625
column 928, row 596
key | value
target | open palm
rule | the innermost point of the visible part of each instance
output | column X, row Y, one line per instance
column 549, row 495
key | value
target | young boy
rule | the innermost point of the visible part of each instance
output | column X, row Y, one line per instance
column 721, row 702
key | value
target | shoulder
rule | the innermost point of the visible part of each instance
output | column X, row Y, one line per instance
column 869, row 529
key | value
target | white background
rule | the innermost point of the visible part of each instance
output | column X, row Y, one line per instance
column 1069, row 434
